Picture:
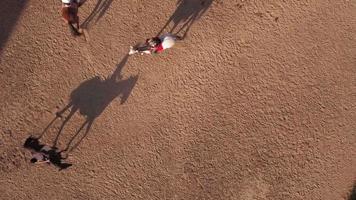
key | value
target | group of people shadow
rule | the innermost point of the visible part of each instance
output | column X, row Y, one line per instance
column 92, row 96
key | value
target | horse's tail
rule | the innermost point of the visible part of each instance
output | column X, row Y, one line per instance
column 74, row 31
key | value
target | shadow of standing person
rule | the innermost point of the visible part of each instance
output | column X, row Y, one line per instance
column 99, row 10
column 186, row 13
column 353, row 193
column 91, row 98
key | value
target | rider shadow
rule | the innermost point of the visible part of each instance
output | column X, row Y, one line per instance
column 98, row 12
column 91, row 98
column 186, row 13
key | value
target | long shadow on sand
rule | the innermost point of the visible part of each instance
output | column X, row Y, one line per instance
column 91, row 98
column 10, row 11
column 186, row 13
column 353, row 193
column 98, row 12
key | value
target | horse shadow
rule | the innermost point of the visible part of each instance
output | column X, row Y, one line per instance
column 91, row 98
column 98, row 12
column 186, row 13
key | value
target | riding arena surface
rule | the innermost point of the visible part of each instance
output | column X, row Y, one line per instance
column 258, row 101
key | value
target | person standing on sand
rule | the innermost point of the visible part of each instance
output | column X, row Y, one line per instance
column 70, row 15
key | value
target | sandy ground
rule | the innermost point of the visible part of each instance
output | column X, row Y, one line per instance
column 257, row 102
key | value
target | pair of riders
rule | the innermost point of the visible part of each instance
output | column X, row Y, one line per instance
column 152, row 45
column 155, row 44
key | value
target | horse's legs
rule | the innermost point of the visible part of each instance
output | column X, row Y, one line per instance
column 74, row 136
column 186, row 26
column 49, row 125
column 164, row 27
column 73, row 110
column 143, row 48
column 88, row 123
column 77, row 24
column 59, row 114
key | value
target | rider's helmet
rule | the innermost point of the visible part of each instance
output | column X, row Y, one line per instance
column 66, row 1
column 153, row 42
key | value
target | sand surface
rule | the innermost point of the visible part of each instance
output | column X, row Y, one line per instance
column 257, row 102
